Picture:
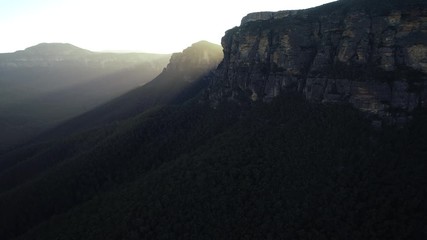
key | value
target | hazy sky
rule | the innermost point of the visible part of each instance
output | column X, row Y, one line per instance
column 162, row 26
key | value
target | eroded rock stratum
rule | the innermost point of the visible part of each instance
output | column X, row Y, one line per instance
column 376, row 61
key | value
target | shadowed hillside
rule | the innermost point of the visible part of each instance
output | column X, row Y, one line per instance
column 179, row 81
column 187, row 74
column 201, row 154
column 49, row 83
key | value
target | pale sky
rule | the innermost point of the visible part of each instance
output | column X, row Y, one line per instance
column 158, row 26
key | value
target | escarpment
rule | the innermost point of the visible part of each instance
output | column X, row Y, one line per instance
column 374, row 60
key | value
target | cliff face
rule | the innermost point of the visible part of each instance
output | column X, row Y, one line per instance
column 195, row 61
column 377, row 61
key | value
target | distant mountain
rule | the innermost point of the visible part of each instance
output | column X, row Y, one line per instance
column 53, row 49
column 178, row 82
column 46, row 54
column 46, row 84
column 186, row 75
column 251, row 150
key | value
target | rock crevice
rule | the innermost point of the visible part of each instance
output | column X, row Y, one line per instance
column 375, row 61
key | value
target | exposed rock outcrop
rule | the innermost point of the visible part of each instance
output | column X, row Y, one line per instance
column 256, row 16
column 375, row 60
column 196, row 60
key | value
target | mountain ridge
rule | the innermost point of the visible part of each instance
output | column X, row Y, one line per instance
column 205, row 158
column 343, row 52
column 113, row 121
column 182, row 74
column 49, row 83
column 46, row 54
column 54, row 48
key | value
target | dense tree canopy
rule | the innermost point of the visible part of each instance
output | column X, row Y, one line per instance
column 288, row 169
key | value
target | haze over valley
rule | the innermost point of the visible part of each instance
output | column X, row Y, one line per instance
column 46, row 84
column 299, row 120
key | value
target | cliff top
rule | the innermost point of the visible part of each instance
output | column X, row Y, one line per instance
column 373, row 6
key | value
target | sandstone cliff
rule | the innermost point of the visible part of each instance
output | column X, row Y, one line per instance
column 194, row 61
column 375, row 60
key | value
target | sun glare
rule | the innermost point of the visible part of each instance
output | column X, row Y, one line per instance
column 161, row 26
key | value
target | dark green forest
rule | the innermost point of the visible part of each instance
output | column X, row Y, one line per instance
column 163, row 162
column 288, row 169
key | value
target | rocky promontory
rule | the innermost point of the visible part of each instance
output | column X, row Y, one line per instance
column 374, row 58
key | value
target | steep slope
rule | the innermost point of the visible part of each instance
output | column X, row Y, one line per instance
column 178, row 169
column 284, row 170
column 179, row 81
column 372, row 54
column 184, row 77
column 26, row 168
column 48, row 83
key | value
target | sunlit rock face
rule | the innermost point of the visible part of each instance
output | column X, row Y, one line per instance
column 376, row 61
column 196, row 60
column 268, row 15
